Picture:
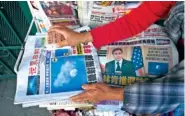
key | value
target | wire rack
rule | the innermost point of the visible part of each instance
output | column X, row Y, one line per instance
column 15, row 19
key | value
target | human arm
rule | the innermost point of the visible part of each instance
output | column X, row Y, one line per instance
column 129, row 25
column 157, row 96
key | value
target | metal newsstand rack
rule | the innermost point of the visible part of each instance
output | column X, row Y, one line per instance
column 15, row 24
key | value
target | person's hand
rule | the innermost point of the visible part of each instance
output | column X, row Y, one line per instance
column 66, row 37
column 95, row 93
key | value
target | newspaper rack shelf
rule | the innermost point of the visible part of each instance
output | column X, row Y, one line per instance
column 15, row 19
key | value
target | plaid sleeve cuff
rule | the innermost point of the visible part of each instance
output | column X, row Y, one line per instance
column 160, row 95
column 130, row 96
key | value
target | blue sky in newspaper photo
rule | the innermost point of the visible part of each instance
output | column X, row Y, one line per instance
column 157, row 68
column 68, row 74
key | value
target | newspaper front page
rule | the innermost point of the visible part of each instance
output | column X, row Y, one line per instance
column 55, row 74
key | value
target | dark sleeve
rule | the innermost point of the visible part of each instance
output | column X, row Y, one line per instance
column 107, row 68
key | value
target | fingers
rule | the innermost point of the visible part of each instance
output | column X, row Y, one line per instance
column 56, row 35
column 57, row 26
column 56, row 30
column 62, row 43
column 92, row 86
column 84, row 97
column 89, row 86
column 80, row 97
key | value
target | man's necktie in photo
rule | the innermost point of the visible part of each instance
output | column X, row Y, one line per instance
column 118, row 67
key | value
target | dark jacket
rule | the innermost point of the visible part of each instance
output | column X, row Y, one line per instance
column 127, row 68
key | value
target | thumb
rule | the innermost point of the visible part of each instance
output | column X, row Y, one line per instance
column 89, row 86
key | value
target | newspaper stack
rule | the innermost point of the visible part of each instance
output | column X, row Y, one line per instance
column 47, row 13
column 48, row 78
column 96, row 13
column 73, row 14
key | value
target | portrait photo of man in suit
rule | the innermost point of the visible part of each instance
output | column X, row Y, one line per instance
column 119, row 66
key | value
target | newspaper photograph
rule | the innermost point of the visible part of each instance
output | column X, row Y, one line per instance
column 60, row 12
column 56, row 9
column 48, row 13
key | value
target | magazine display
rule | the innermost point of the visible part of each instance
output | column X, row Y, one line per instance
column 41, row 23
column 49, row 75
column 47, row 13
column 146, row 56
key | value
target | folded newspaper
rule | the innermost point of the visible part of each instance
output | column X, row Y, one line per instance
column 53, row 75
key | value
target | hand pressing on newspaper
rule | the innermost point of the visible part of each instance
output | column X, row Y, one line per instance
column 95, row 93
column 64, row 36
